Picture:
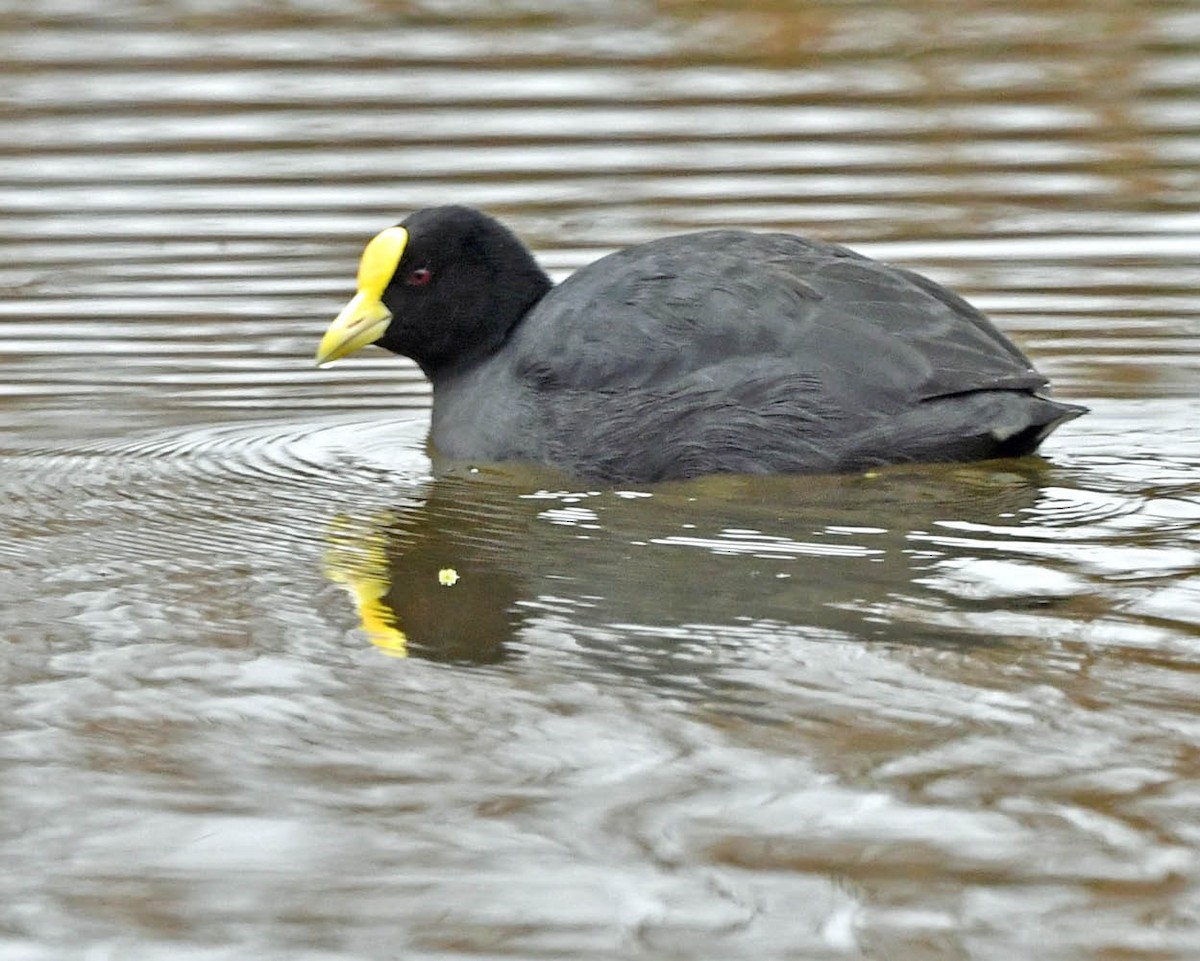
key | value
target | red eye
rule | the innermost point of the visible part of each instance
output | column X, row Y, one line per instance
column 419, row 277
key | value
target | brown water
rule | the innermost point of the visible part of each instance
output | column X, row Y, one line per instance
column 939, row 713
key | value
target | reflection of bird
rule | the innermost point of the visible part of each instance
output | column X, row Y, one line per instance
column 717, row 352
column 475, row 569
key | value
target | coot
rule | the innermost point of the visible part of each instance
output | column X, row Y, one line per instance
column 725, row 351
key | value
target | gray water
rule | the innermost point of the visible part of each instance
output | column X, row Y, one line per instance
column 271, row 690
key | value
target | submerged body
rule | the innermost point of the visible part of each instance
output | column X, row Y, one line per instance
column 716, row 352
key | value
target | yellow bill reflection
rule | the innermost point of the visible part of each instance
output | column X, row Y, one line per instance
column 357, row 559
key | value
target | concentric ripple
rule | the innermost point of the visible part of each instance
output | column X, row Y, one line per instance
column 171, row 491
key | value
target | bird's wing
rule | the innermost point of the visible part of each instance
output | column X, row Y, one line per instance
column 650, row 315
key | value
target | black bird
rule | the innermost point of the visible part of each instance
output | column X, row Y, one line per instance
column 717, row 352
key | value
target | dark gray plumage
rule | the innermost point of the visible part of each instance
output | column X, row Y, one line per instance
column 715, row 352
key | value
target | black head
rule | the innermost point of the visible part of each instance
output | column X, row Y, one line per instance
column 445, row 287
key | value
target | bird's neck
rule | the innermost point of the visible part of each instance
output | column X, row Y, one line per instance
column 513, row 302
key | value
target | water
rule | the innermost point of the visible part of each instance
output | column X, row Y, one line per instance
column 272, row 690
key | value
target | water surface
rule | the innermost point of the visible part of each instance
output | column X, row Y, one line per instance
column 273, row 689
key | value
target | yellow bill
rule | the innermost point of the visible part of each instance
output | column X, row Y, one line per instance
column 361, row 322
column 365, row 319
